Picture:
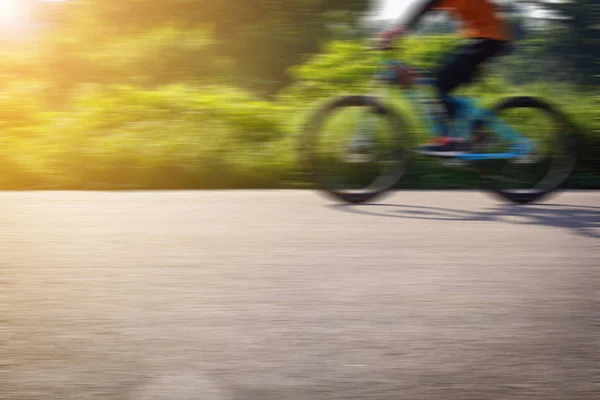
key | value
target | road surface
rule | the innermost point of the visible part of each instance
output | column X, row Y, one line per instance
column 264, row 295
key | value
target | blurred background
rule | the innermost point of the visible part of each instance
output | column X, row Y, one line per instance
column 275, row 294
column 210, row 94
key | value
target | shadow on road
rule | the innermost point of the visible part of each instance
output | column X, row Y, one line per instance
column 583, row 220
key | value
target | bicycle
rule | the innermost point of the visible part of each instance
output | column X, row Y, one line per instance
column 510, row 164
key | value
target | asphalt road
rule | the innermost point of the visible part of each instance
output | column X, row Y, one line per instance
column 265, row 295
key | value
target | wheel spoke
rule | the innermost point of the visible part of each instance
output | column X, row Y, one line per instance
column 356, row 150
column 544, row 169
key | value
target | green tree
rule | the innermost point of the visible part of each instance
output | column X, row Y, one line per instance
column 261, row 38
column 573, row 32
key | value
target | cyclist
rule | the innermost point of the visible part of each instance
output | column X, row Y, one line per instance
column 488, row 34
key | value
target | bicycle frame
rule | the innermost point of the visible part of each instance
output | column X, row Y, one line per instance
column 469, row 113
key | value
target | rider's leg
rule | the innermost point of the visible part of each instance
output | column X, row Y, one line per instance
column 462, row 69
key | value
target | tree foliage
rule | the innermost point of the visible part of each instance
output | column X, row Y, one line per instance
column 252, row 41
column 572, row 32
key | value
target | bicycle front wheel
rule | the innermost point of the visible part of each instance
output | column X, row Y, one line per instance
column 542, row 171
column 355, row 149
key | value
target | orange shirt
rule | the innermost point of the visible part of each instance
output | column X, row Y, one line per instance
column 480, row 18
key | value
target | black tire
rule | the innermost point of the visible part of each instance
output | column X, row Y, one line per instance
column 398, row 149
column 561, row 160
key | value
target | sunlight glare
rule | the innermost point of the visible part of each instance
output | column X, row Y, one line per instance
column 12, row 13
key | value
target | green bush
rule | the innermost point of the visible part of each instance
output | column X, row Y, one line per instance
column 188, row 136
column 344, row 67
column 348, row 66
column 171, row 137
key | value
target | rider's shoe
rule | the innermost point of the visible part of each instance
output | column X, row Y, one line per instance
column 444, row 147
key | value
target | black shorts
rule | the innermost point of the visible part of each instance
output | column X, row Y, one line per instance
column 465, row 66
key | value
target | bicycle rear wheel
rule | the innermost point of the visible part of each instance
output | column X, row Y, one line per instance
column 534, row 176
column 355, row 149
